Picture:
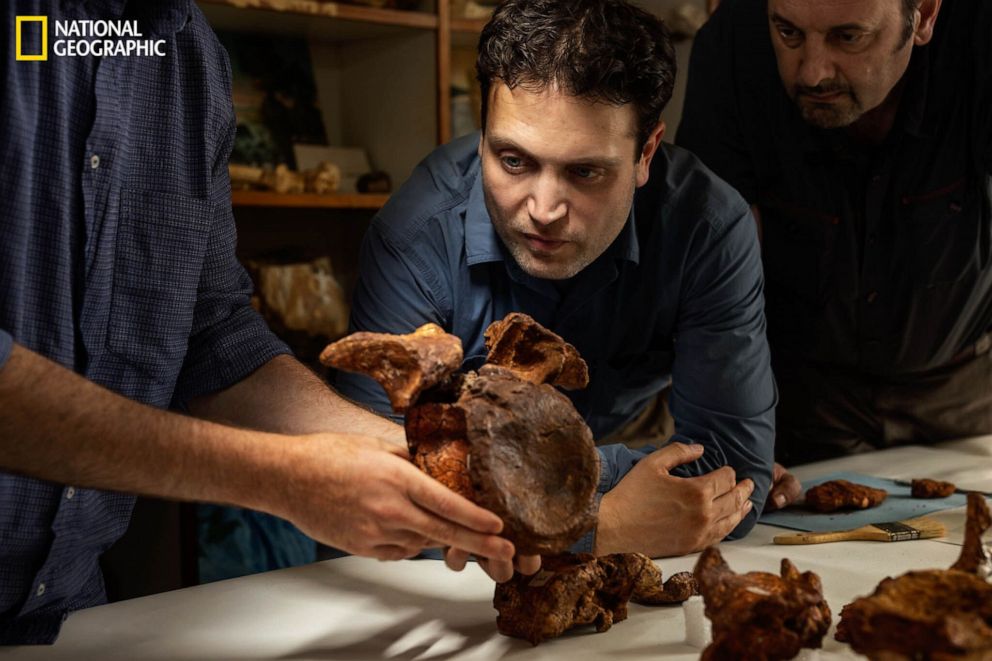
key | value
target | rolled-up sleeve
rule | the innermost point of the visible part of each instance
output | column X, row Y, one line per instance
column 6, row 346
column 229, row 340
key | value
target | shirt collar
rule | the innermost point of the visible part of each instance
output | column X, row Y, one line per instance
column 482, row 244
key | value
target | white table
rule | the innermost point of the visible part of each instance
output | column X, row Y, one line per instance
column 355, row 608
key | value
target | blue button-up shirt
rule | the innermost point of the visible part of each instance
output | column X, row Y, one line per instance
column 677, row 297
column 116, row 261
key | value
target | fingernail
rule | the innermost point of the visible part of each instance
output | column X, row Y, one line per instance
column 748, row 505
column 780, row 500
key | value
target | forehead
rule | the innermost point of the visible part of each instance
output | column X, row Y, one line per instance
column 826, row 14
column 553, row 124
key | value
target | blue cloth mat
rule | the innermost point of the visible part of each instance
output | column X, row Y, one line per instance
column 899, row 506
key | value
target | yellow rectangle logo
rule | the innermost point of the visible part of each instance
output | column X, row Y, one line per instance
column 18, row 55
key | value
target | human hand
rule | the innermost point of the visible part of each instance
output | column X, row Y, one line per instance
column 498, row 570
column 362, row 495
column 659, row 514
column 786, row 489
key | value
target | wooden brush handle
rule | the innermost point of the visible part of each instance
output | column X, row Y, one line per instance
column 821, row 537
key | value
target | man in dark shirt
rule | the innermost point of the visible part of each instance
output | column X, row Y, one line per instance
column 860, row 132
column 569, row 208
column 120, row 295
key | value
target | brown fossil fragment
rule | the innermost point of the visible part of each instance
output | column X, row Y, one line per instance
column 573, row 590
column 842, row 494
column 759, row 615
column 514, row 445
column 926, row 488
column 404, row 365
column 534, row 353
column 932, row 613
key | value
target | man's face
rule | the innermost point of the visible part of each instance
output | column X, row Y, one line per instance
column 559, row 175
column 838, row 59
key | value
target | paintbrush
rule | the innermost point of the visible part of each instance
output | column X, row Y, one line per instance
column 894, row 531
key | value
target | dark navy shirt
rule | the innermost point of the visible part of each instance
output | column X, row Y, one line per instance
column 116, row 261
column 677, row 297
column 877, row 258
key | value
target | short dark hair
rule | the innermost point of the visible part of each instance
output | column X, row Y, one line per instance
column 602, row 50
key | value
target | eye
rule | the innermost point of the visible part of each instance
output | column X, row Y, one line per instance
column 788, row 34
column 850, row 38
column 586, row 174
column 511, row 163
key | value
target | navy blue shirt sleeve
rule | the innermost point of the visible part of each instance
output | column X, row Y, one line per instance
column 6, row 346
column 228, row 339
column 723, row 392
column 396, row 293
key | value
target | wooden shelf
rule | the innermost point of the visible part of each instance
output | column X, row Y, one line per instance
column 296, row 12
column 248, row 198
column 468, row 25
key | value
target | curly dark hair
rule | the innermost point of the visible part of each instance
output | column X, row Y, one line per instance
column 602, row 50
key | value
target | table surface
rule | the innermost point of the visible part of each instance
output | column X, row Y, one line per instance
column 356, row 608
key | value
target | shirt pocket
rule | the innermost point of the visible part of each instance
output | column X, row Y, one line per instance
column 798, row 249
column 943, row 233
column 161, row 242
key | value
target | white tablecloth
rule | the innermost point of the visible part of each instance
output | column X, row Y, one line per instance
column 355, row 608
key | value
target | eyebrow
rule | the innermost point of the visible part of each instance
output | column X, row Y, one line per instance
column 498, row 142
column 776, row 18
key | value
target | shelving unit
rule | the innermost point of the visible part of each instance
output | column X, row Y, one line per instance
column 248, row 198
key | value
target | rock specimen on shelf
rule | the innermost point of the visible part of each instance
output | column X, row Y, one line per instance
column 503, row 437
column 932, row 613
column 573, row 590
column 759, row 615
column 841, row 494
column 926, row 488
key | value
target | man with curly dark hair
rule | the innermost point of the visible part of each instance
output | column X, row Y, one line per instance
column 568, row 207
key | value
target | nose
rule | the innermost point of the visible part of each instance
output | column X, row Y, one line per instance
column 546, row 204
column 816, row 65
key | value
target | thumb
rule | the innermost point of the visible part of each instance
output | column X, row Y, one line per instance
column 676, row 454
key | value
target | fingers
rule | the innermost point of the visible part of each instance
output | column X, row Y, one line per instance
column 499, row 570
column 386, row 552
column 734, row 502
column 786, row 489
column 676, row 454
column 455, row 559
column 527, row 564
column 445, row 503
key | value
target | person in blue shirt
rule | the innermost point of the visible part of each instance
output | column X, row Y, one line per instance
column 569, row 208
column 120, row 296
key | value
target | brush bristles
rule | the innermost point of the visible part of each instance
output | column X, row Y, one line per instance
column 919, row 528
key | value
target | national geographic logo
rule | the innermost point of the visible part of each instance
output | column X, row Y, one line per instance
column 82, row 38
column 19, row 53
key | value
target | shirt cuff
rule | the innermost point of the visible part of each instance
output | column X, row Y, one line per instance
column 6, row 347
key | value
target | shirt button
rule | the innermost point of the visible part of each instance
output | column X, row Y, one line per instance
column 41, row 589
column 871, row 297
column 70, row 492
column 95, row 161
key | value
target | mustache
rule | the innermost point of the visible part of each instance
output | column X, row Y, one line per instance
column 822, row 89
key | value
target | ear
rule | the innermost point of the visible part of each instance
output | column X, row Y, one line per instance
column 928, row 11
column 643, row 166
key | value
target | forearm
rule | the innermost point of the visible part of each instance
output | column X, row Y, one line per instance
column 284, row 396
column 57, row 426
